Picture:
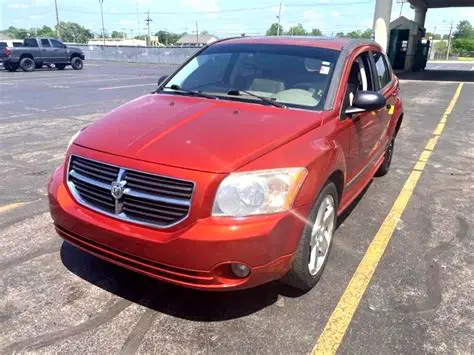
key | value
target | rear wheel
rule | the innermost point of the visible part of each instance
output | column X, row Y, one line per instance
column 385, row 167
column 315, row 243
column 11, row 67
column 60, row 66
column 77, row 63
column 27, row 64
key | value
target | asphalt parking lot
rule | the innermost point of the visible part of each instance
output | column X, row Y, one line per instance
column 55, row 298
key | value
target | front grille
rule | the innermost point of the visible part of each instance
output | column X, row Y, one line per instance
column 129, row 195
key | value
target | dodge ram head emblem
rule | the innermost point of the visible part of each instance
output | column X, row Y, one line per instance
column 117, row 189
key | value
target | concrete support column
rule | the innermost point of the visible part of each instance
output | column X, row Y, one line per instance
column 383, row 11
column 420, row 16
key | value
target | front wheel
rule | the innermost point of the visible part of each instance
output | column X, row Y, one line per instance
column 315, row 243
column 385, row 167
column 77, row 63
column 27, row 64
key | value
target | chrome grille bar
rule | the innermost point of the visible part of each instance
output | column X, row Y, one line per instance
column 129, row 195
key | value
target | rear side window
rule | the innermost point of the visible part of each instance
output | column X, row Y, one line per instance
column 383, row 72
column 45, row 42
column 30, row 42
column 17, row 44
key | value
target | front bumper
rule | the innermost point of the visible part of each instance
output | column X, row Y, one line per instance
column 196, row 256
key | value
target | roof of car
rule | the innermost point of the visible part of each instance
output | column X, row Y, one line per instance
column 311, row 41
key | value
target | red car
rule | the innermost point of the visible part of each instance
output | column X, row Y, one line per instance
column 233, row 172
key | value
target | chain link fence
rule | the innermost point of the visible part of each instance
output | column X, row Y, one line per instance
column 156, row 55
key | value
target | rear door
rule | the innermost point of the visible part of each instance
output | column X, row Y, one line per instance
column 385, row 82
column 60, row 52
column 47, row 51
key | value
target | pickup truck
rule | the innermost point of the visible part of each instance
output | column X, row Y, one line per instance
column 37, row 52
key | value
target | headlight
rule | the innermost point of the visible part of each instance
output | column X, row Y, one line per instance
column 258, row 192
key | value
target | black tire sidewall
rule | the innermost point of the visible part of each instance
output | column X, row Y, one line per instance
column 29, row 68
column 299, row 275
column 77, row 63
column 387, row 162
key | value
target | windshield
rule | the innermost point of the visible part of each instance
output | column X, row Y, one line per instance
column 296, row 76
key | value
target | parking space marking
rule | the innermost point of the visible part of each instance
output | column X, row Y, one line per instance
column 11, row 206
column 125, row 86
column 341, row 317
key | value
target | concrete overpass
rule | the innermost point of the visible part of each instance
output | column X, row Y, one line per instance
column 383, row 11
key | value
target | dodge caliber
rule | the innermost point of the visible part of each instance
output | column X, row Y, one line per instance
column 233, row 172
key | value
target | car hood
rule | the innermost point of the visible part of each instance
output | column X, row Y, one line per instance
column 74, row 49
column 195, row 133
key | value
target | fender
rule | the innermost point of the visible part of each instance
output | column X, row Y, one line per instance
column 320, row 155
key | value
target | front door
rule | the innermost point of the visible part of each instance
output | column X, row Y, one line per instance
column 60, row 51
column 364, row 126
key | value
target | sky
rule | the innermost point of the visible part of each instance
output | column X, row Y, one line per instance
column 222, row 18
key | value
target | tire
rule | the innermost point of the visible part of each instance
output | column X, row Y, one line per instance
column 27, row 64
column 11, row 67
column 60, row 66
column 385, row 167
column 305, row 271
column 77, row 63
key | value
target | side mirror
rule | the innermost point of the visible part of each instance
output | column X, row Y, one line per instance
column 161, row 79
column 366, row 101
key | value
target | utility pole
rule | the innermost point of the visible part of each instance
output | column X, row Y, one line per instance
column 278, row 17
column 102, row 15
column 58, row 32
column 449, row 40
column 148, row 20
column 401, row 6
column 138, row 20
column 197, row 34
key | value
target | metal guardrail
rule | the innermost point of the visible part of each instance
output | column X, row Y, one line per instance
column 158, row 55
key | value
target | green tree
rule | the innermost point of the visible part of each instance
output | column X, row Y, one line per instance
column 167, row 38
column 73, row 32
column 464, row 30
column 204, row 32
column 117, row 34
column 441, row 47
column 463, row 45
column 297, row 30
column 340, row 34
column 16, row 33
column 46, row 31
column 359, row 34
column 433, row 36
column 366, row 34
column 316, row 32
column 273, row 30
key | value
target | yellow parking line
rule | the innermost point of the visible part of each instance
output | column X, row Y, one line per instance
column 341, row 317
column 11, row 206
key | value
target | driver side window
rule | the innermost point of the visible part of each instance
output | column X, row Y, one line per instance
column 359, row 79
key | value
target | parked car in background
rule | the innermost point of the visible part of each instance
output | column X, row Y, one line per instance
column 37, row 52
column 234, row 171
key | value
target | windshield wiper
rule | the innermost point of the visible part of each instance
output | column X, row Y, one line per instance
column 261, row 98
column 192, row 92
